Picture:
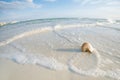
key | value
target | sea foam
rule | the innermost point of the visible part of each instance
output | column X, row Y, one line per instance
column 50, row 28
column 24, row 35
column 96, row 72
column 47, row 62
column 39, row 30
column 52, row 63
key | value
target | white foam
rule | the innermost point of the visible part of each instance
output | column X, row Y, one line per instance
column 47, row 62
column 5, row 23
column 39, row 30
column 96, row 71
column 2, row 23
column 111, row 21
column 101, row 23
column 24, row 35
column 59, row 26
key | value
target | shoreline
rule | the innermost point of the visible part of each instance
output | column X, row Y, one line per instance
column 55, row 54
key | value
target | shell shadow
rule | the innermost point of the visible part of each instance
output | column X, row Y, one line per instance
column 68, row 50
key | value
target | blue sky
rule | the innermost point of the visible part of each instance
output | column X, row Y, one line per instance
column 15, row 10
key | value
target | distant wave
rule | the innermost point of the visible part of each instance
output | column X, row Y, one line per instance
column 85, row 20
column 51, row 28
column 39, row 30
column 7, row 23
column 78, row 20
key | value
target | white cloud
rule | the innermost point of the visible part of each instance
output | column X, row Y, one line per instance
column 18, row 4
column 99, row 8
column 98, row 2
column 82, row 2
column 50, row 0
column 24, row 0
column 29, row 0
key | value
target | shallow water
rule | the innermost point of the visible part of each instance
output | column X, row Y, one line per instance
column 55, row 44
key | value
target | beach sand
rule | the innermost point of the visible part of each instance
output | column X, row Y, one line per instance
column 55, row 54
column 13, row 71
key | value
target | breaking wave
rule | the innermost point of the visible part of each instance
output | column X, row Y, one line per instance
column 39, row 30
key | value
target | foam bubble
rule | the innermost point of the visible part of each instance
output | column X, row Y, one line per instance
column 47, row 62
column 24, row 35
column 63, row 26
column 96, row 71
column 111, row 21
column 39, row 30
column 5, row 23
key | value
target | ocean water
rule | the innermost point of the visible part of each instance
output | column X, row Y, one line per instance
column 55, row 44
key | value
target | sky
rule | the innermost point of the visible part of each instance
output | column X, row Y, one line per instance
column 19, row 10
